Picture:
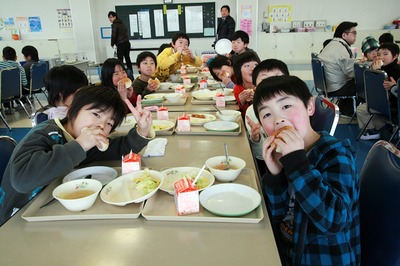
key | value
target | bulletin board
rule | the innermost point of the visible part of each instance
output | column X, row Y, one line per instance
column 197, row 20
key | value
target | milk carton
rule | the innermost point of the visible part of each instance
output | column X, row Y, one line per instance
column 162, row 113
column 220, row 100
column 186, row 197
column 203, row 84
column 130, row 163
column 184, row 123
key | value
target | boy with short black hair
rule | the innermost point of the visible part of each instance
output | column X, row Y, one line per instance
column 240, row 42
column 146, row 63
column 389, row 54
column 171, row 59
column 312, row 185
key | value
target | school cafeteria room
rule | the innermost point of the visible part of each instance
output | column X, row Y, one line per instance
column 178, row 132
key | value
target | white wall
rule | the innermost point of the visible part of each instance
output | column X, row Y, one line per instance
column 47, row 11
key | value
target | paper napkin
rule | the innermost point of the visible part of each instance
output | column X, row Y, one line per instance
column 156, row 147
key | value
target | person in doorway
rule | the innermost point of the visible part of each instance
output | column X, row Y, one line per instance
column 338, row 60
column 119, row 37
column 225, row 25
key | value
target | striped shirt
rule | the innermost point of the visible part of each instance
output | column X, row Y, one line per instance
column 10, row 64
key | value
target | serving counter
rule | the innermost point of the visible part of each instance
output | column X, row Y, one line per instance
column 142, row 241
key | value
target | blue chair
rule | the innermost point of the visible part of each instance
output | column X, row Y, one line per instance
column 377, row 99
column 11, row 87
column 379, row 201
column 326, row 115
column 319, row 75
column 7, row 145
column 38, row 73
column 359, row 69
column 318, row 70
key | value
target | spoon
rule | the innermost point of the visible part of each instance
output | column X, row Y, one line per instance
column 54, row 199
column 198, row 175
column 216, row 108
column 226, row 157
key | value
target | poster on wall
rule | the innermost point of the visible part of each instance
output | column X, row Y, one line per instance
column 246, row 22
column 64, row 18
column 22, row 24
column 280, row 13
column 35, row 24
column 194, row 19
column 9, row 23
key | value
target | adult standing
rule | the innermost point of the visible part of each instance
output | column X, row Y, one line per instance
column 119, row 37
column 339, row 60
column 225, row 25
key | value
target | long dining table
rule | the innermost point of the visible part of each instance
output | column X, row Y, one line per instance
column 143, row 241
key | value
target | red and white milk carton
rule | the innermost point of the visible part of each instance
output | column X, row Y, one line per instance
column 162, row 113
column 203, row 84
column 186, row 197
column 220, row 100
column 180, row 89
column 186, row 81
column 184, row 123
column 130, row 163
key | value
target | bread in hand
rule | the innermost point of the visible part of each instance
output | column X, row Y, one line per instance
column 127, row 81
column 276, row 135
column 156, row 81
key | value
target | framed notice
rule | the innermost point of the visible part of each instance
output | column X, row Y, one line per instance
column 105, row 32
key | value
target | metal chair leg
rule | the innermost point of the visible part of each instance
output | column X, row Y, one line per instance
column 364, row 127
column 5, row 122
column 23, row 106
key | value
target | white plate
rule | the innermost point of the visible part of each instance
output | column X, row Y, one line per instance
column 223, row 46
column 229, row 98
column 100, row 173
column 200, row 121
column 173, row 87
column 172, row 175
column 162, row 125
column 122, row 190
column 230, row 199
column 224, row 126
column 203, row 95
column 155, row 96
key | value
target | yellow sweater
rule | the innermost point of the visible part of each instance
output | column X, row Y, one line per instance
column 169, row 62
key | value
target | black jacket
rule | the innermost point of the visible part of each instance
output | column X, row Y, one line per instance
column 226, row 28
column 119, row 33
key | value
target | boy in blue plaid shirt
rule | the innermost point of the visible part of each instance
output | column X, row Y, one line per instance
column 312, row 185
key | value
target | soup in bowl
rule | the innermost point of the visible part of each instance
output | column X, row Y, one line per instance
column 78, row 195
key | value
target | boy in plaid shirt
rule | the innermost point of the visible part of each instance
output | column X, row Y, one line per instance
column 312, row 185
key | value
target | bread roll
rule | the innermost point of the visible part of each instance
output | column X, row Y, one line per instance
column 104, row 146
column 156, row 81
column 276, row 135
column 127, row 81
